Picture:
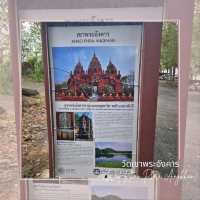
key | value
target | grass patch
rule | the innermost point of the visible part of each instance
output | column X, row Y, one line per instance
column 111, row 165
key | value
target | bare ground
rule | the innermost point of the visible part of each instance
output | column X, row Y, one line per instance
column 34, row 136
column 166, row 129
column 9, row 171
column 191, row 186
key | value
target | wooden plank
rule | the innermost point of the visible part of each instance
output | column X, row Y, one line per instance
column 48, row 97
column 150, row 64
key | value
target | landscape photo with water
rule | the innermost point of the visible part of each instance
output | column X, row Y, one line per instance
column 94, row 73
column 112, row 154
column 118, row 192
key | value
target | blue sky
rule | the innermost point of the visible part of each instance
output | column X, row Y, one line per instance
column 88, row 114
column 65, row 58
column 118, row 146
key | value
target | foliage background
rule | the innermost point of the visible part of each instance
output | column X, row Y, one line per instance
column 169, row 49
column 32, row 51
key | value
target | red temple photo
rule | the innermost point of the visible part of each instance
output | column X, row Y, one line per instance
column 96, row 83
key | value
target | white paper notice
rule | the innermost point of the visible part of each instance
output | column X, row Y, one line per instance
column 93, row 189
column 95, row 79
column 55, row 191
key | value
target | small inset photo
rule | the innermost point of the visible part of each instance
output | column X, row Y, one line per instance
column 83, row 126
column 117, row 191
column 112, row 154
column 65, row 134
column 65, row 125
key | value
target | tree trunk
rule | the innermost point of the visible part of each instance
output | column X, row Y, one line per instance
column 173, row 72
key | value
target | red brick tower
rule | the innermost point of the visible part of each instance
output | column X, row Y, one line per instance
column 94, row 69
column 111, row 69
column 114, row 77
column 77, row 79
column 79, row 69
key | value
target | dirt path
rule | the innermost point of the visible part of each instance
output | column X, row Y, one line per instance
column 191, row 187
column 34, row 140
column 166, row 131
column 34, row 133
column 9, row 187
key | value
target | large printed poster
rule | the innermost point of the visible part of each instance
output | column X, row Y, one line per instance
column 95, row 80
column 136, row 189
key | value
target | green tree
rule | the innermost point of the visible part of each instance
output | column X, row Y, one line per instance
column 31, row 40
column 169, row 48
column 32, row 50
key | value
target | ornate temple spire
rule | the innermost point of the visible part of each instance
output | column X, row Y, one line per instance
column 95, row 65
column 79, row 68
column 110, row 60
column 111, row 69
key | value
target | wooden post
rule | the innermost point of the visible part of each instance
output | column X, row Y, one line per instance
column 149, row 77
column 48, row 97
